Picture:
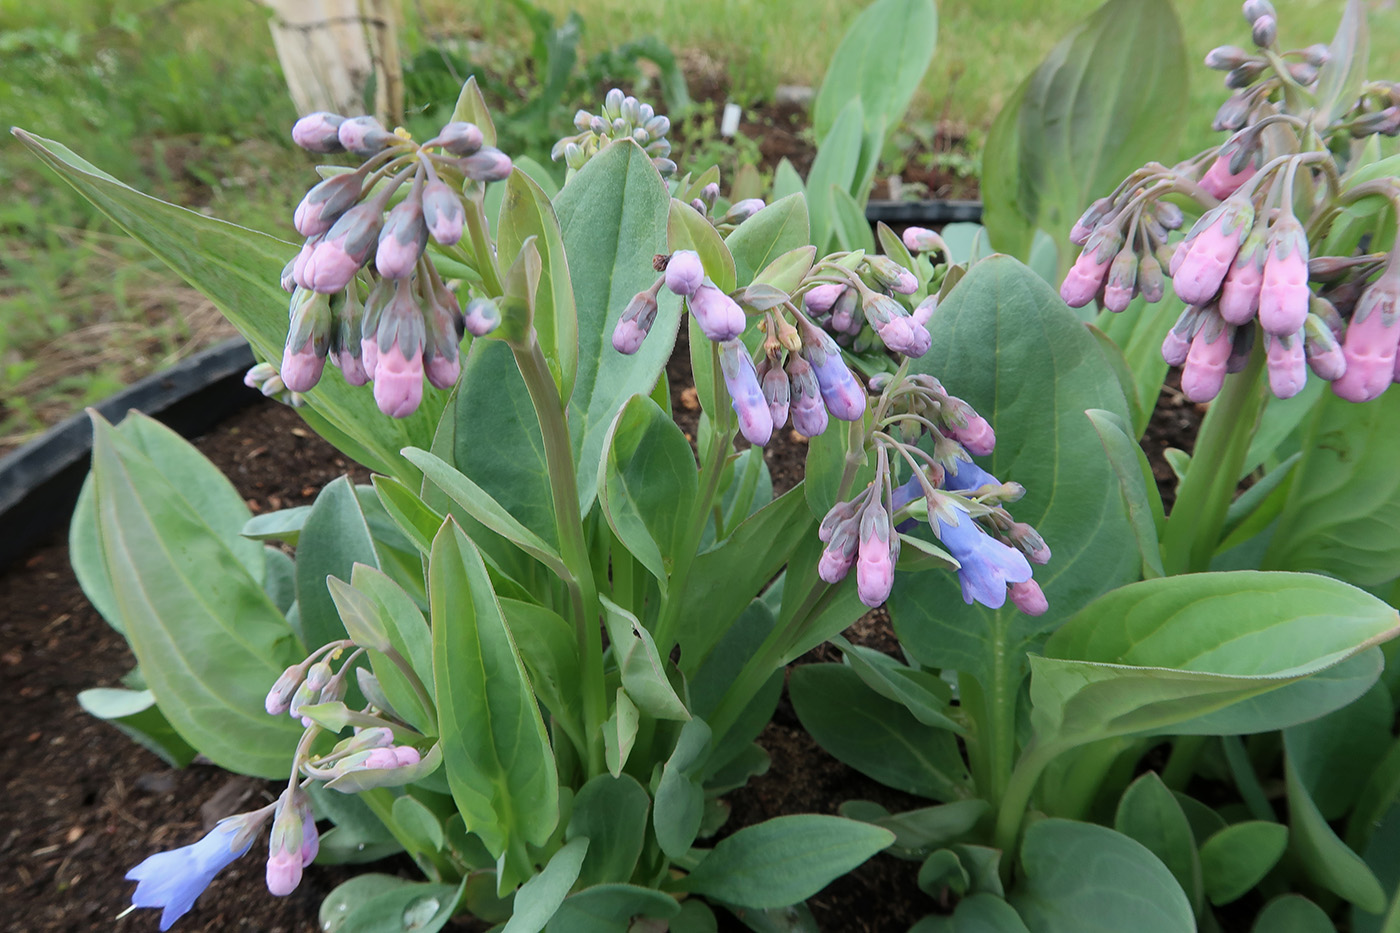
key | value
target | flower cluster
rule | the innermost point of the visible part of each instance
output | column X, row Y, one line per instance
column 1269, row 193
column 364, row 290
column 800, row 372
column 313, row 693
column 264, row 378
column 623, row 117
column 962, row 501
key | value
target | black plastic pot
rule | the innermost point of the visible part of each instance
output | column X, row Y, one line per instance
column 40, row 481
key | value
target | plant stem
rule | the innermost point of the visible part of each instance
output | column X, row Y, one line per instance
column 1181, row 764
column 381, row 803
column 481, row 244
column 1012, row 812
column 1202, row 499
column 573, row 543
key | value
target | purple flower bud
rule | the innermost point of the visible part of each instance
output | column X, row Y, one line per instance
column 1168, row 215
column 443, row 212
column 1210, row 254
column 1253, row 9
column 1226, row 57
column 719, row 317
column 846, row 317
column 710, row 193
column 1150, row 282
column 841, row 391
column 840, row 553
column 921, row 240
column 777, row 392
column 819, row 300
column 402, row 239
column 365, row 136
column 875, row 564
column 301, row 368
column 442, row 372
column 1239, row 294
column 324, row 203
column 890, row 274
column 299, row 264
column 1122, row 281
column 685, row 273
column 1288, row 368
column 481, row 317
column 344, row 249
column 747, row 400
column 318, row 132
column 1086, row 276
column 1029, row 598
column 988, row 566
column 923, row 312
column 279, row 698
column 351, row 367
column 742, row 211
column 1317, row 54
column 1245, row 75
column 1203, row 373
column 1265, row 31
column 461, row 138
column 635, row 323
column 487, row 164
column 808, row 413
column 1284, row 294
column 395, row 756
column 1029, row 542
column 398, row 382
column 839, row 514
column 288, row 279
column 1089, row 221
column 1370, row 343
column 1233, row 113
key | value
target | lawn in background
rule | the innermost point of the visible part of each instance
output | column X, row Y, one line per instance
column 184, row 99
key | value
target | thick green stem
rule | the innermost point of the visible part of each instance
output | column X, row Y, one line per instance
column 1205, row 493
column 1181, row 764
column 481, row 244
column 1012, row 812
column 573, row 543
column 992, row 754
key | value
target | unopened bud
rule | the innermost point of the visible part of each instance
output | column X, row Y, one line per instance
column 892, row 275
column 365, row 136
column 1253, row 9
column 319, row 132
column 461, row 138
column 1028, row 597
column 1265, row 31
column 1303, row 73
column 742, row 211
column 443, row 212
column 1245, row 75
column 487, row 164
column 279, row 698
column 1226, row 57
column 481, row 317
column 1233, row 113
column 685, row 273
column 635, row 322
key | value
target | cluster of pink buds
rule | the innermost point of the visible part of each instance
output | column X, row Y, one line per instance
column 1245, row 269
column 963, row 502
column 364, row 289
column 864, row 296
column 623, row 117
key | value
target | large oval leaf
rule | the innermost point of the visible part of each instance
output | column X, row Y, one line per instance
column 1069, row 134
column 881, row 59
column 1177, row 653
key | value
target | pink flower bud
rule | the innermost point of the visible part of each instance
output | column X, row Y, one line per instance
column 1219, row 181
column 398, row 382
column 874, row 566
column 279, row 698
column 820, row 299
column 301, row 369
column 1203, row 373
column 777, row 392
column 1239, row 295
column 808, row 413
column 839, row 555
column 487, row 164
column 1210, row 254
column 1086, row 276
column 369, row 353
column 685, row 273
column 890, row 274
column 1320, row 346
column 461, row 138
column 401, row 240
column 406, row 756
column 318, row 132
column 481, row 317
column 299, row 264
column 351, row 367
column 1028, row 597
column 283, row 873
column 442, row 372
column 719, row 317
column 1284, row 294
column 365, row 136
column 1122, row 281
column 1089, row 221
column 324, row 203
column 1370, row 342
column 921, row 240
column 1288, row 368
column 443, row 212
column 344, row 249
column 977, row 436
column 746, row 395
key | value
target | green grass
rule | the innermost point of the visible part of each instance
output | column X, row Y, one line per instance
column 184, row 99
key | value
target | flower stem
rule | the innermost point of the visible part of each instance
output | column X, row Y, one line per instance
column 1012, row 812
column 1193, row 530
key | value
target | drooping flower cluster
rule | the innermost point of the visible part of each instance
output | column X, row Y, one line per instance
column 264, row 378
column 373, row 755
column 623, row 117
column 962, row 502
column 1245, row 270
column 364, row 290
column 800, row 372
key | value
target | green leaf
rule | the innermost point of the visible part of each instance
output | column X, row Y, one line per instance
column 1176, row 653
column 136, row 714
column 1357, row 734
column 499, row 763
column 1342, row 515
column 924, row 829
column 418, row 823
column 680, row 797
column 620, row 733
column 1324, row 857
column 777, row 229
column 686, row 229
column 359, row 615
column 525, row 213
column 1140, row 497
column 784, row 860
column 1339, row 80
column 208, row 639
column 640, row 665
column 612, row 813
column 335, row 538
column 549, row 648
column 838, row 158
column 1149, row 814
column 786, row 181
column 881, row 60
column 613, row 215
column 1292, row 913
column 471, row 108
column 876, row 736
column 787, row 271
column 239, row 270
column 409, row 512
column 284, row 525
column 924, row 695
column 1238, row 857
column 647, row 485
column 1068, row 135
column 1005, row 342
column 409, row 635
column 1083, row 878
column 539, row 898
column 612, row 908
column 851, row 227
column 980, row 913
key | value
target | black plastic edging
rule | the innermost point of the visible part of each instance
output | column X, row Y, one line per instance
column 40, row 481
column 931, row 213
